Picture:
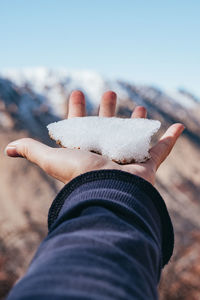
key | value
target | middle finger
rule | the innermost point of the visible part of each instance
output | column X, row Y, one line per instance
column 108, row 104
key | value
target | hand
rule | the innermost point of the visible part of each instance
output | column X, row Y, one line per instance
column 65, row 164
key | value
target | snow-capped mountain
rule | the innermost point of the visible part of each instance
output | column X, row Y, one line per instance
column 56, row 85
column 39, row 92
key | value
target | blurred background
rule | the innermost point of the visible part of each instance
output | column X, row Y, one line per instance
column 148, row 52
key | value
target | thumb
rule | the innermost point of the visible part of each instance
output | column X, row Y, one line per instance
column 30, row 149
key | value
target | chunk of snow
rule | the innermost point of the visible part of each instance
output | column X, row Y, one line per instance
column 121, row 140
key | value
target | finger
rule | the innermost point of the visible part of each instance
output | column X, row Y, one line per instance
column 108, row 104
column 160, row 151
column 30, row 149
column 139, row 112
column 76, row 105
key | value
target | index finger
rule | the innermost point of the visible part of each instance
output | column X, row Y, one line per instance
column 76, row 104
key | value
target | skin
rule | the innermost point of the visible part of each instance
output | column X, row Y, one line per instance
column 65, row 164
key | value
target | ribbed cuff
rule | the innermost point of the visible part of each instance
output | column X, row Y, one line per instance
column 119, row 177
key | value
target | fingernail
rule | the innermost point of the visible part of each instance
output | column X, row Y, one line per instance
column 11, row 151
column 13, row 144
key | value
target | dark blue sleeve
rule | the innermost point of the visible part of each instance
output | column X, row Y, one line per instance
column 109, row 237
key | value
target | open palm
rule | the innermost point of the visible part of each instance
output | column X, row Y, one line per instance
column 65, row 164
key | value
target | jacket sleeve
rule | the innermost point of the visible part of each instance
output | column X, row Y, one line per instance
column 109, row 237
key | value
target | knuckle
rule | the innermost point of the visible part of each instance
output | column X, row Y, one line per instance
column 25, row 150
column 25, row 147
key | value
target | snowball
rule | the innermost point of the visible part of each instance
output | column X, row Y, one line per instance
column 121, row 140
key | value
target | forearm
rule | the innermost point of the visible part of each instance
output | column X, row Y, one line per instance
column 109, row 236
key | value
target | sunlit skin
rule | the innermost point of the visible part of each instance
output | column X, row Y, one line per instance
column 65, row 164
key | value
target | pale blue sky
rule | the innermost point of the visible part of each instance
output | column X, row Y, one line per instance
column 150, row 41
